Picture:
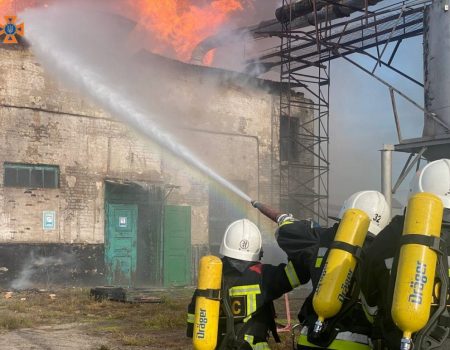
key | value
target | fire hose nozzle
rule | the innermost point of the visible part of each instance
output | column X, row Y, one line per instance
column 271, row 213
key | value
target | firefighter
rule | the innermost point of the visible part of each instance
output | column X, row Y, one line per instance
column 380, row 266
column 249, row 287
column 349, row 329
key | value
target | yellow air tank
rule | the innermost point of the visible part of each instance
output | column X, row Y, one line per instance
column 339, row 267
column 416, row 267
column 207, row 303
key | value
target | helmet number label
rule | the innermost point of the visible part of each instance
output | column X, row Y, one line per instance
column 377, row 218
column 244, row 244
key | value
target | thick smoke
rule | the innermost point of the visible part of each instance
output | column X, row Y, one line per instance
column 42, row 271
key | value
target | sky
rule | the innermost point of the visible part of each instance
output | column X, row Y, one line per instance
column 361, row 121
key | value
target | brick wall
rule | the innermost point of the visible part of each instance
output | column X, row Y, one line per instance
column 226, row 120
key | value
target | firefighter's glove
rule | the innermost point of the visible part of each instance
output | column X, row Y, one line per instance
column 284, row 218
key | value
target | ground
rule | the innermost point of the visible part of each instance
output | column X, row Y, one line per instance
column 69, row 319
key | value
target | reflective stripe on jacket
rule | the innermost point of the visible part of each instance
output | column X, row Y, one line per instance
column 258, row 346
column 343, row 341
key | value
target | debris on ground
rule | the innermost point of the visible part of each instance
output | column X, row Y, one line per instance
column 76, row 320
column 129, row 295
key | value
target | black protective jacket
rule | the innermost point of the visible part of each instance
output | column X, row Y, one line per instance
column 352, row 317
column 379, row 271
column 253, row 286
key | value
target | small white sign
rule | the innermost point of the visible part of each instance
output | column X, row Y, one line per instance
column 48, row 220
column 122, row 221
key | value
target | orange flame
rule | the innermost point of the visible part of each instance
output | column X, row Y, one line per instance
column 13, row 7
column 178, row 25
column 7, row 8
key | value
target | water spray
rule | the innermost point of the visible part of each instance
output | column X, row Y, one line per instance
column 55, row 52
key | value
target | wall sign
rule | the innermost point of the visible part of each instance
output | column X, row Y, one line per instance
column 48, row 220
column 123, row 221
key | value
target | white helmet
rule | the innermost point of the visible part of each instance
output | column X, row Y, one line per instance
column 373, row 204
column 242, row 240
column 433, row 178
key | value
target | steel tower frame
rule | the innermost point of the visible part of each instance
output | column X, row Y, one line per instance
column 304, row 168
column 304, row 61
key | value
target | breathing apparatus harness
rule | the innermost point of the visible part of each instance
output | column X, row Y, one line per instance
column 332, row 326
column 437, row 329
column 235, row 331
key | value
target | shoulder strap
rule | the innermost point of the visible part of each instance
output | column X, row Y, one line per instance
column 229, row 340
column 213, row 294
column 435, row 243
column 355, row 250
column 273, row 325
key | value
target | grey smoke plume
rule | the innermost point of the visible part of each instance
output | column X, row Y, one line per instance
column 41, row 270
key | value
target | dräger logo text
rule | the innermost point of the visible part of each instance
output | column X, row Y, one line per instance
column 345, row 286
column 201, row 326
column 420, row 280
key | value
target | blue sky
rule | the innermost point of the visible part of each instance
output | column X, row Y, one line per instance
column 361, row 120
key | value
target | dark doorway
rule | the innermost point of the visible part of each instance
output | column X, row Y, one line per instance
column 139, row 255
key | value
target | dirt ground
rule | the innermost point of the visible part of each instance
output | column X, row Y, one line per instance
column 70, row 319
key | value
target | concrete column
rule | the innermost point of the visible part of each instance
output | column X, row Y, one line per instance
column 386, row 173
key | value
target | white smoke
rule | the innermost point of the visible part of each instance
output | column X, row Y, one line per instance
column 37, row 266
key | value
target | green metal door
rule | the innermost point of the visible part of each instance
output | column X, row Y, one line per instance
column 177, row 245
column 120, row 244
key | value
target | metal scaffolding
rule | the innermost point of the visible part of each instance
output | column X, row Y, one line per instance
column 304, row 61
column 304, row 165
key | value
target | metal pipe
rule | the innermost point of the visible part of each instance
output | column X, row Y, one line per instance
column 206, row 131
column 325, row 11
column 45, row 110
column 296, row 9
column 408, row 169
column 386, row 173
column 397, row 121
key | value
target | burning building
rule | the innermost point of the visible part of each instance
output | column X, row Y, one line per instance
column 87, row 199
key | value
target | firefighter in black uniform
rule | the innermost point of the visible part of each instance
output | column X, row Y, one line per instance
column 380, row 265
column 350, row 328
column 249, row 287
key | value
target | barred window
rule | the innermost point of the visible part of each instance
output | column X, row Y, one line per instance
column 30, row 175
